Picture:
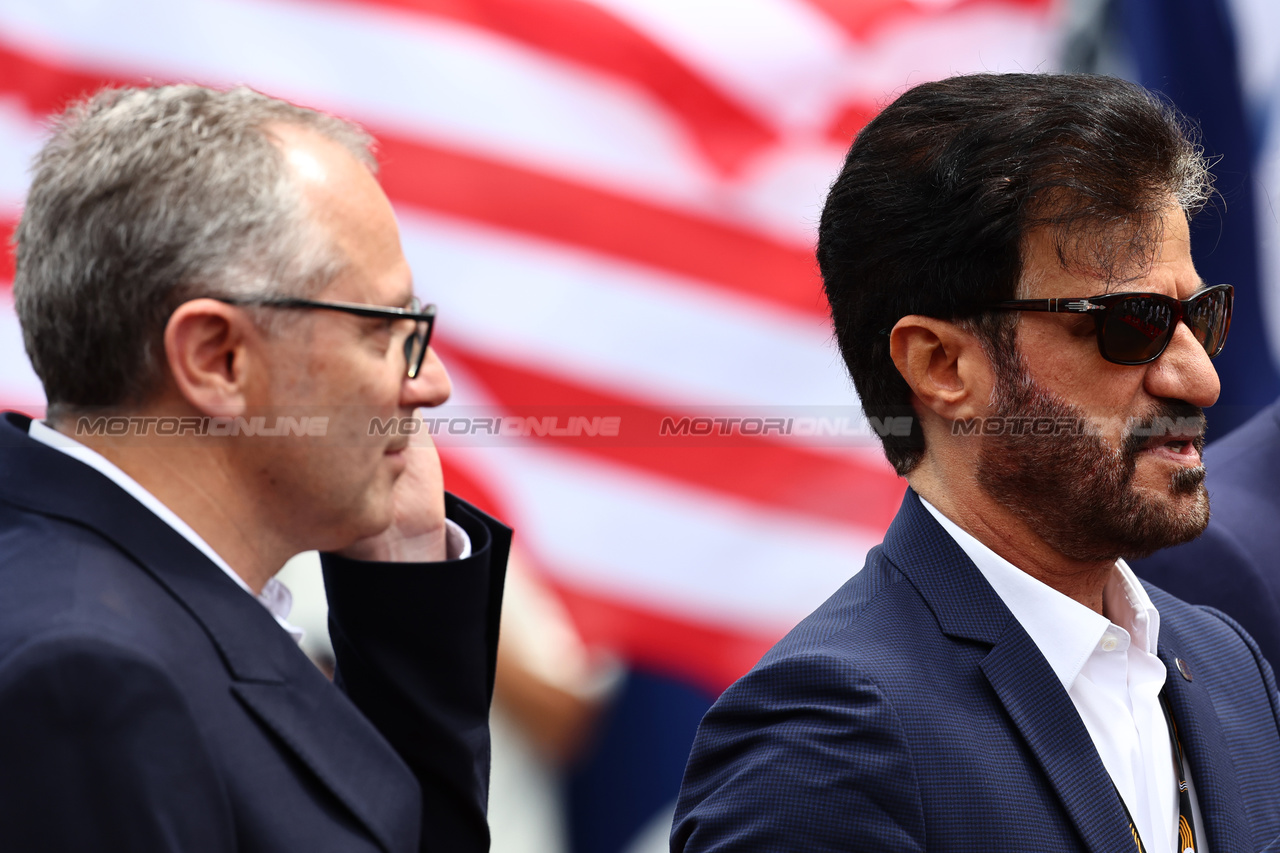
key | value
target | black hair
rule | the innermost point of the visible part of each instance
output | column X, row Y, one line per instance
column 939, row 192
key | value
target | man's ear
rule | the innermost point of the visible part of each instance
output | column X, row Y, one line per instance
column 208, row 345
column 944, row 364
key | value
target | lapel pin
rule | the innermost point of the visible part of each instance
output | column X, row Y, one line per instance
column 1183, row 668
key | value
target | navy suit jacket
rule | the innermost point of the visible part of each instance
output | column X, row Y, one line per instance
column 912, row 712
column 147, row 703
column 1235, row 564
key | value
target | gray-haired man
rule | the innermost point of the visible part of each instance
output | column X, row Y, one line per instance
column 212, row 290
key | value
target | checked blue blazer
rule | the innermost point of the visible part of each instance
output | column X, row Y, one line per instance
column 912, row 712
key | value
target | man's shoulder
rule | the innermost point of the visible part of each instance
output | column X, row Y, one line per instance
column 915, row 589
column 79, row 554
column 87, row 634
column 867, row 604
column 82, row 550
column 42, row 555
column 60, row 576
column 844, row 713
column 876, row 632
column 1202, row 629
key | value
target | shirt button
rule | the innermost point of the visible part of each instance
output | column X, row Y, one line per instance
column 1108, row 643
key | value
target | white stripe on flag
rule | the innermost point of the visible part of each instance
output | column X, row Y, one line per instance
column 609, row 324
column 793, row 66
column 19, row 387
column 20, row 139
column 744, row 57
column 970, row 40
column 410, row 74
column 699, row 555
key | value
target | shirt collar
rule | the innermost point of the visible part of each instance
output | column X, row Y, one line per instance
column 1064, row 630
column 275, row 596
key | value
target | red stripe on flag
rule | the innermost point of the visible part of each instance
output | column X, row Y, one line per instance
column 44, row 87
column 6, row 252
column 726, row 132
column 530, row 202
column 849, row 120
column 760, row 470
column 862, row 17
column 508, row 196
column 711, row 657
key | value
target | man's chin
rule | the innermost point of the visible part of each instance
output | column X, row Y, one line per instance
column 1175, row 513
column 363, row 539
column 376, row 519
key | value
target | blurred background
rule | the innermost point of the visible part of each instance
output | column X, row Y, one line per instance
column 613, row 204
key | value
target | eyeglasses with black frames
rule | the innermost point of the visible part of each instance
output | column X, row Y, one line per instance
column 1135, row 328
column 415, row 346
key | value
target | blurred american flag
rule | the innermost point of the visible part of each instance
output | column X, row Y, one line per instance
column 613, row 203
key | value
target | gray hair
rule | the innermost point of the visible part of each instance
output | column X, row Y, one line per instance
column 143, row 199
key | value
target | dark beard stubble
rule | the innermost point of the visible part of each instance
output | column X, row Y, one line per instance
column 1075, row 490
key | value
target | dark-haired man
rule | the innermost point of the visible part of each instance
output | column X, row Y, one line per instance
column 1007, row 260
column 212, row 290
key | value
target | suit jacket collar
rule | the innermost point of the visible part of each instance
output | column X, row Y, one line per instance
column 49, row 482
column 968, row 609
column 281, row 688
column 964, row 604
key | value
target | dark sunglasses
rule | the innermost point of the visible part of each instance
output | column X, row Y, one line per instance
column 415, row 346
column 1135, row 328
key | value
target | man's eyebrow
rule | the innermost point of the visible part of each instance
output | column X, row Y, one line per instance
column 402, row 303
column 407, row 296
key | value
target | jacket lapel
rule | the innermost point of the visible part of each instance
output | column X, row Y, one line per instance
column 1212, row 773
column 1049, row 723
column 326, row 732
column 270, row 674
column 967, row 608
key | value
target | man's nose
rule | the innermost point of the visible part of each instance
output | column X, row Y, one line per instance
column 430, row 387
column 1184, row 371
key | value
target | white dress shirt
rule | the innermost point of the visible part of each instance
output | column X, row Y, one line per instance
column 275, row 596
column 1109, row 668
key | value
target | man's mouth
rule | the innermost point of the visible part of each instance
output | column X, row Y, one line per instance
column 1174, row 433
column 1181, row 449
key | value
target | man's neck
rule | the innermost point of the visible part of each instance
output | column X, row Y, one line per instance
column 963, row 501
column 198, row 483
